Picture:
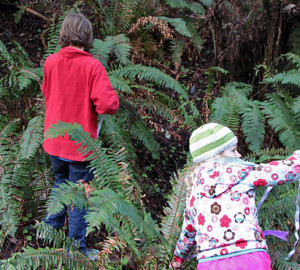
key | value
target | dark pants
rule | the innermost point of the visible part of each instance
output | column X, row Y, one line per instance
column 70, row 171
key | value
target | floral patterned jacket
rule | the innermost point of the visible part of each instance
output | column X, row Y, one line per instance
column 221, row 216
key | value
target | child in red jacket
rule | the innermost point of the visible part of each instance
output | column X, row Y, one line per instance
column 220, row 219
column 76, row 89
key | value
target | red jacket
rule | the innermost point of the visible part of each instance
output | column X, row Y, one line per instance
column 76, row 89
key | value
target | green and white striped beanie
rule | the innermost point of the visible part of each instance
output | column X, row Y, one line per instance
column 209, row 140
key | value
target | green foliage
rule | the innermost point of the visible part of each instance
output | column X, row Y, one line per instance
column 288, row 77
column 192, row 6
column 48, row 258
column 19, row 166
column 171, row 224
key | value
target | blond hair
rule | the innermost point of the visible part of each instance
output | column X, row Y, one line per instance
column 76, row 30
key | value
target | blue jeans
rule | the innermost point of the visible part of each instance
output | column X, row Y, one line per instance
column 70, row 171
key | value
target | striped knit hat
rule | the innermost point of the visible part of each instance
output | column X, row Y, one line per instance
column 209, row 140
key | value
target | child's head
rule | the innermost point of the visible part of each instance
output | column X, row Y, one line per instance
column 76, row 30
column 212, row 139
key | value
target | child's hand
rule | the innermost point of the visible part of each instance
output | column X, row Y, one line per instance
column 175, row 265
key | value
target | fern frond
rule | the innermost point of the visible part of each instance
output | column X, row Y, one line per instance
column 281, row 119
column 196, row 38
column 287, row 77
column 105, row 163
column 49, row 258
column 5, row 55
column 119, row 45
column 101, row 50
column 54, row 237
column 113, row 209
column 192, row 6
column 122, row 48
column 171, row 224
column 177, row 47
column 150, row 74
column 120, row 84
column 296, row 105
column 178, row 24
column 225, row 111
column 282, row 264
column 253, row 126
column 66, row 194
column 32, row 137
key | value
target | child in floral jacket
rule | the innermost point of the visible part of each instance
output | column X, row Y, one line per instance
column 220, row 219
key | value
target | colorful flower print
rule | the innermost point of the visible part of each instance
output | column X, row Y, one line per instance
column 281, row 182
column 224, row 251
column 190, row 228
column 296, row 168
column 258, row 168
column 228, row 170
column 235, row 196
column 213, row 242
column 245, row 200
column 201, row 219
column 247, row 211
column 209, row 228
column 194, row 211
column 241, row 243
column 290, row 176
column 229, row 235
column 260, row 182
column 216, row 208
column 288, row 162
column 242, row 174
column 212, row 190
column 214, row 175
column 268, row 169
column 250, row 193
column 239, row 217
column 225, row 221
column 274, row 176
column 274, row 163
column 192, row 201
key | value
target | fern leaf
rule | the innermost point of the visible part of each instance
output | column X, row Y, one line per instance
column 288, row 77
column 32, row 137
column 171, row 224
column 102, row 49
column 49, row 258
column 177, row 47
column 178, row 24
column 150, row 74
column 253, row 126
column 193, row 6
column 281, row 119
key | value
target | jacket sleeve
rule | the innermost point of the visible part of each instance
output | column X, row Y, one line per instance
column 186, row 241
column 103, row 96
column 276, row 172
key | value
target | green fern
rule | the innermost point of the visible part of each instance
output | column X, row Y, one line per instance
column 288, row 77
column 149, row 74
column 178, row 24
column 253, row 125
column 119, row 45
column 282, row 120
column 171, row 224
column 54, row 237
column 19, row 162
column 48, row 258
column 192, row 6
